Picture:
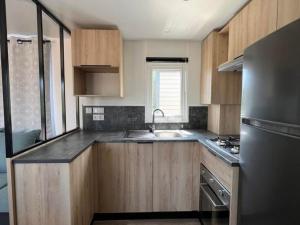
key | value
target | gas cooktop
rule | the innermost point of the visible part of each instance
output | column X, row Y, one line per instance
column 230, row 144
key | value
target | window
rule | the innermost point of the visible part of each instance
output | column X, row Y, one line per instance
column 52, row 74
column 167, row 92
column 41, row 104
column 71, row 105
column 25, row 101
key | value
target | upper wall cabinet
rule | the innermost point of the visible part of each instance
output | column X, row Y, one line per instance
column 215, row 87
column 97, row 47
column 262, row 19
column 98, row 62
column 288, row 11
column 238, row 34
column 255, row 21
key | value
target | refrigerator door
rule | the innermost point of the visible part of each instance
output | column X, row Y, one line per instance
column 269, row 191
column 271, row 77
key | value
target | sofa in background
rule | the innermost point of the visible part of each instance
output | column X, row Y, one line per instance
column 21, row 140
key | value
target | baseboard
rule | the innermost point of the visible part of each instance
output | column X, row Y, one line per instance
column 146, row 215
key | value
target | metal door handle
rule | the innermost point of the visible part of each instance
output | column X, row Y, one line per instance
column 210, row 198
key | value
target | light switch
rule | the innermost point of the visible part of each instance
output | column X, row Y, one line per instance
column 98, row 110
column 88, row 110
column 98, row 117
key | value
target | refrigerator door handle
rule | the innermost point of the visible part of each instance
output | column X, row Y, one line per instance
column 292, row 130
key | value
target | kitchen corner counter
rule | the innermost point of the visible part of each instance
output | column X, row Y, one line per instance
column 66, row 149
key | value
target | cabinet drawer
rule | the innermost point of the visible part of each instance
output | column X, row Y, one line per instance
column 218, row 168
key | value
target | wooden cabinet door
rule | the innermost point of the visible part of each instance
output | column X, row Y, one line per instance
column 112, row 177
column 172, row 176
column 139, row 178
column 217, row 87
column 262, row 19
column 96, row 47
column 288, row 11
column 238, row 30
column 196, row 175
column 125, row 177
column 206, row 70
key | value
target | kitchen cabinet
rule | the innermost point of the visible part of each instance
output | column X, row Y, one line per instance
column 197, row 157
column 288, row 11
column 96, row 47
column 255, row 21
column 172, row 176
column 262, row 19
column 56, row 193
column 238, row 34
column 224, row 119
column 112, row 176
column 217, row 87
column 125, row 177
column 98, row 62
column 227, row 175
column 139, row 173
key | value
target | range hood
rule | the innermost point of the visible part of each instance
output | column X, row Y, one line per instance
column 234, row 65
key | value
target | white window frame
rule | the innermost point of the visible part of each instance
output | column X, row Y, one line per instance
column 184, row 109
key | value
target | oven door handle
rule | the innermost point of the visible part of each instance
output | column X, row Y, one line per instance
column 217, row 206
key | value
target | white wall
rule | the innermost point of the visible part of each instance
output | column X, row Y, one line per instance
column 135, row 71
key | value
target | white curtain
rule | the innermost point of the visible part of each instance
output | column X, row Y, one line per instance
column 24, row 84
column 48, row 75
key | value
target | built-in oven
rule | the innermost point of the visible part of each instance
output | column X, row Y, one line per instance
column 214, row 200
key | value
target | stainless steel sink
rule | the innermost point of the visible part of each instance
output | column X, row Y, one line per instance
column 167, row 134
column 144, row 134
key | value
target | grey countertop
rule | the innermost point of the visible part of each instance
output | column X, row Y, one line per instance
column 66, row 149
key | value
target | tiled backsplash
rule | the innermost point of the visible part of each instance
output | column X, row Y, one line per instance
column 133, row 118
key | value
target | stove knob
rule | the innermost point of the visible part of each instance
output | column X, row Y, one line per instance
column 221, row 192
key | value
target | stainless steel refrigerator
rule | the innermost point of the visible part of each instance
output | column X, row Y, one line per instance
column 269, row 191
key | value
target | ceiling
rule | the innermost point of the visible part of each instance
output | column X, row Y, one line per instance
column 148, row 19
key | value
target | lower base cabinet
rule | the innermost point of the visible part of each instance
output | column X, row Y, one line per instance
column 56, row 193
column 173, row 187
column 125, row 177
column 109, row 178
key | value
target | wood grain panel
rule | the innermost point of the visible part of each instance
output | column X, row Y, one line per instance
column 172, row 176
column 112, row 177
column 262, row 19
column 288, row 11
column 43, row 194
column 233, row 216
column 206, row 70
column 83, row 188
column 196, row 175
column 216, row 87
column 217, row 167
column 96, row 47
column 139, row 197
column 11, row 191
column 238, row 34
column 224, row 119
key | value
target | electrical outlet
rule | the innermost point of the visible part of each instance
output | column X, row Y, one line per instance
column 88, row 110
column 98, row 110
column 98, row 117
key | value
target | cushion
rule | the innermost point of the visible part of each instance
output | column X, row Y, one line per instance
column 24, row 139
column 3, row 180
column 3, row 200
column 21, row 140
